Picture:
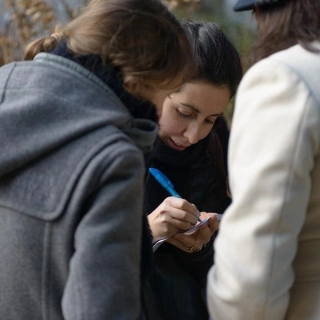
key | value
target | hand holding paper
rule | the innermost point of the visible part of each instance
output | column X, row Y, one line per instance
column 194, row 241
column 177, row 221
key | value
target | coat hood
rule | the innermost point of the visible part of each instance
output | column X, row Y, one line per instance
column 50, row 101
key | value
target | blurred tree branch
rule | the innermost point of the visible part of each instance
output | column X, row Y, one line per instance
column 25, row 20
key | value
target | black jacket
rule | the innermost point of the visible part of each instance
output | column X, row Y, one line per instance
column 177, row 285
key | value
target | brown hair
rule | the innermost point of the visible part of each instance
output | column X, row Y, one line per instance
column 141, row 38
column 285, row 24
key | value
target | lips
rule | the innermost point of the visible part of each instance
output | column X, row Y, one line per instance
column 176, row 145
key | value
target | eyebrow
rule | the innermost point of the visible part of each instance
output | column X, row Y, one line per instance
column 197, row 110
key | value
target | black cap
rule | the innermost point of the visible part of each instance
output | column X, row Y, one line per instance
column 243, row 5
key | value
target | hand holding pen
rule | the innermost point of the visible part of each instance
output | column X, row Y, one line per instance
column 174, row 215
column 172, row 220
column 167, row 184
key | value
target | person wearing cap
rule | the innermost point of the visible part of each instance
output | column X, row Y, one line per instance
column 267, row 252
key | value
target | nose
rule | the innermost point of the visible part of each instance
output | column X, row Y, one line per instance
column 192, row 133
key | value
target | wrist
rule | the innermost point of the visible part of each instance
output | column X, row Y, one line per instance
column 155, row 234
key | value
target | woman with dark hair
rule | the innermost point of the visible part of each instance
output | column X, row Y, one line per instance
column 189, row 153
column 267, row 262
column 74, row 127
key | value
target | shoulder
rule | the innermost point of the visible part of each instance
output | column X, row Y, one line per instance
column 288, row 66
column 276, row 105
column 287, row 77
column 280, row 78
column 118, row 144
column 106, row 150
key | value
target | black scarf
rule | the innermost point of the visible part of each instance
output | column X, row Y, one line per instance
column 111, row 76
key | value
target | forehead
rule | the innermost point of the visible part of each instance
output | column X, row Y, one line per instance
column 206, row 98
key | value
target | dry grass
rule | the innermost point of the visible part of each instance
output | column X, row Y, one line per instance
column 27, row 20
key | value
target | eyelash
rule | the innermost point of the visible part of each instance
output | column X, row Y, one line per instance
column 183, row 115
column 187, row 116
column 210, row 122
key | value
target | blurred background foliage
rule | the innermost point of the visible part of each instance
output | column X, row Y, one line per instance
column 24, row 20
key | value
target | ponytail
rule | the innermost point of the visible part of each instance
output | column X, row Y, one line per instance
column 45, row 44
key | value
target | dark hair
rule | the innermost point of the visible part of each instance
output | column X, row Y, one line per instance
column 141, row 38
column 285, row 24
column 217, row 60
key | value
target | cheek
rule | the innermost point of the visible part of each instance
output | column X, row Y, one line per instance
column 168, row 126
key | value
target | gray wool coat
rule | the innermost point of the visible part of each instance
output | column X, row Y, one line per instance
column 71, row 186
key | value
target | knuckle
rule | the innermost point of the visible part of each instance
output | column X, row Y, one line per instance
column 167, row 200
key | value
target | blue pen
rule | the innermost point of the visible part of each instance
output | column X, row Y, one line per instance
column 165, row 182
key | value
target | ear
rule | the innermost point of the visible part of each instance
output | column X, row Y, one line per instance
column 136, row 89
column 131, row 87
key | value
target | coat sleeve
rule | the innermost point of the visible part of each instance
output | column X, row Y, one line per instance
column 273, row 140
column 104, row 276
